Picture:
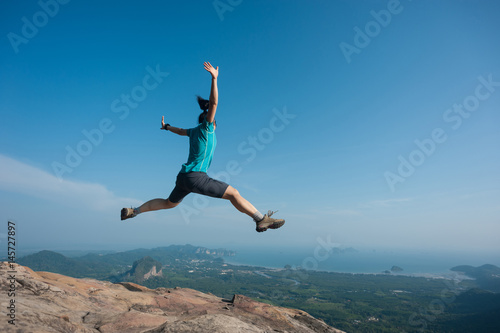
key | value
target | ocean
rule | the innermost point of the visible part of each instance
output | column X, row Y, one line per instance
column 367, row 261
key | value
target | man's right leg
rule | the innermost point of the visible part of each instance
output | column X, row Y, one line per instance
column 174, row 199
column 157, row 204
column 151, row 205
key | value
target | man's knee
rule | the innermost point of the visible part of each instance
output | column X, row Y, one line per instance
column 231, row 193
column 170, row 204
column 235, row 193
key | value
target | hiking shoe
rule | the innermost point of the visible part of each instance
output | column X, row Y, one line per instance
column 269, row 223
column 127, row 213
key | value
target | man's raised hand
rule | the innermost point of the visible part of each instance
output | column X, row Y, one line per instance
column 163, row 125
column 211, row 69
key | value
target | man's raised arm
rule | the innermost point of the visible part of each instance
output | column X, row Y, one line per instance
column 214, row 94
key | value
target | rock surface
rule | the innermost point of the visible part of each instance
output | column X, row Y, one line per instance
column 49, row 302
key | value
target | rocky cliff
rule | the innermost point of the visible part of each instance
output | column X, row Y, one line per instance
column 143, row 269
column 49, row 302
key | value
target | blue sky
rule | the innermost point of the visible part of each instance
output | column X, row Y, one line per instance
column 321, row 105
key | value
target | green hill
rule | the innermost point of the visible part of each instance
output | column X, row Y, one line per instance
column 167, row 255
column 487, row 276
column 114, row 266
column 57, row 263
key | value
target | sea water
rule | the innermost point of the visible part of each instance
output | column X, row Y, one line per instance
column 370, row 261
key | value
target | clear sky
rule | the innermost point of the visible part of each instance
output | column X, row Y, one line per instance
column 374, row 123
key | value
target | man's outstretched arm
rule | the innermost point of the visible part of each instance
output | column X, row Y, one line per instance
column 214, row 94
column 176, row 130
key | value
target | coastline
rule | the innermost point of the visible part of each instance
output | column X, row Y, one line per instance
column 415, row 264
column 449, row 275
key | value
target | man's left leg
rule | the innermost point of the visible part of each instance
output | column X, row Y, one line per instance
column 240, row 203
column 264, row 222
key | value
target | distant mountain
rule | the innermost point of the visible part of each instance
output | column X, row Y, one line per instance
column 143, row 269
column 112, row 266
column 216, row 252
column 166, row 255
column 57, row 263
column 45, row 260
column 485, row 270
column 487, row 276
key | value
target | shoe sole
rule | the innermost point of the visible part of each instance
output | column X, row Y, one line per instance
column 274, row 225
column 123, row 214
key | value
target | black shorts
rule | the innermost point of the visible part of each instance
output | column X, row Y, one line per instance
column 196, row 182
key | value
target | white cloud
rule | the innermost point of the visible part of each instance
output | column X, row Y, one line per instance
column 22, row 178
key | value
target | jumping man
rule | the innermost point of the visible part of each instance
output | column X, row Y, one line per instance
column 193, row 175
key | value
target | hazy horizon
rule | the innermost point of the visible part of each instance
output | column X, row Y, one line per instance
column 423, row 263
column 302, row 250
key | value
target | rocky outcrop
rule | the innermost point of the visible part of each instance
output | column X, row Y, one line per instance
column 152, row 272
column 143, row 269
column 49, row 302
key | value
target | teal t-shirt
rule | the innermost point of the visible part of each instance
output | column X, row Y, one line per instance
column 202, row 142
